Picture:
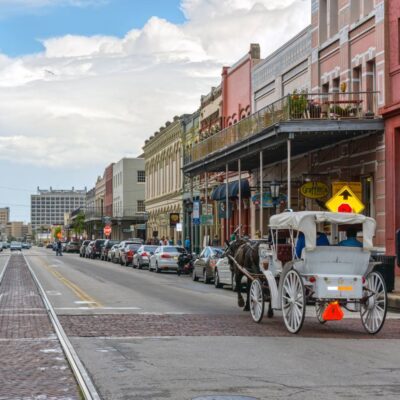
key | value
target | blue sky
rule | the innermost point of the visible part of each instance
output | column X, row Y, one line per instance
column 22, row 29
column 84, row 83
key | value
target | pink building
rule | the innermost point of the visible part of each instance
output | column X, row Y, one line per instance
column 236, row 87
column 391, row 113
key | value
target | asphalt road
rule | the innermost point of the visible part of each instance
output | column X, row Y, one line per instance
column 143, row 335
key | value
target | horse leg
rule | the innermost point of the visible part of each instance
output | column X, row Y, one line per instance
column 270, row 313
column 247, row 305
column 238, row 279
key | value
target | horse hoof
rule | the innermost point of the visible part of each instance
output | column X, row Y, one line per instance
column 270, row 313
column 246, row 308
column 241, row 303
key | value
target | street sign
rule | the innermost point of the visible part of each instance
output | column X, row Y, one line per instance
column 356, row 187
column 196, row 213
column 107, row 230
column 345, row 201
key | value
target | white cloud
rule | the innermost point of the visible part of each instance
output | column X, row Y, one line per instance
column 92, row 100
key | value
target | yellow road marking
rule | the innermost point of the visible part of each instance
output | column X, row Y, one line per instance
column 81, row 294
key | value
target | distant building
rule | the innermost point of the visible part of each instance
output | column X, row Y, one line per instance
column 49, row 206
column 4, row 219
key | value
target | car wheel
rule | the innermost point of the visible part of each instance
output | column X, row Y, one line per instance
column 206, row 278
column 217, row 283
column 158, row 270
column 140, row 265
column 194, row 276
column 126, row 263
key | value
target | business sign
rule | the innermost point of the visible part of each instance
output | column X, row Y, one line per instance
column 163, row 220
column 207, row 219
column 174, row 218
column 314, row 190
column 179, row 227
column 345, row 201
column 196, row 212
column 267, row 200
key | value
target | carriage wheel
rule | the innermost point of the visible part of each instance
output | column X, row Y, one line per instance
column 293, row 301
column 319, row 310
column 374, row 308
column 256, row 300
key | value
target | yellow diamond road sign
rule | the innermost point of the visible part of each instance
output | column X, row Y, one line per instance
column 345, row 201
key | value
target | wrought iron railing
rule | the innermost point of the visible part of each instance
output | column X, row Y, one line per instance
column 297, row 106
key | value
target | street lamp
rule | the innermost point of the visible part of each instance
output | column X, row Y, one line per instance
column 275, row 187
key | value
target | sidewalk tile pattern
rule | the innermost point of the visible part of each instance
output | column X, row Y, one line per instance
column 33, row 365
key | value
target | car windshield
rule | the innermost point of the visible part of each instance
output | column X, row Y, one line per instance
column 218, row 252
column 133, row 246
column 150, row 248
column 173, row 249
column 112, row 243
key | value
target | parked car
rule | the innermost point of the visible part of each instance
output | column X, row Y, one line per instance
column 127, row 252
column 40, row 244
column 117, row 252
column 136, row 240
column 49, row 246
column 106, row 248
column 88, row 250
column 64, row 246
column 82, row 250
column 72, row 247
column 16, row 246
column 165, row 258
column 142, row 256
column 223, row 273
column 111, row 253
column 204, row 266
column 26, row 245
column 95, row 249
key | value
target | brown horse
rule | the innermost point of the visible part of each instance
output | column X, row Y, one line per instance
column 246, row 255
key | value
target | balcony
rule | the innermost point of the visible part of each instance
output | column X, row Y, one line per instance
column 295, row 108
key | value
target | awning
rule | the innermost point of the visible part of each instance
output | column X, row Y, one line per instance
column 219, row 193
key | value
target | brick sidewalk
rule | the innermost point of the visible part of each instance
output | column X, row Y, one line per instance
column 32, row 365
column 140, row 325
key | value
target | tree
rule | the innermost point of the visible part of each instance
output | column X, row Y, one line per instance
column 78, row 224
column 57, row 232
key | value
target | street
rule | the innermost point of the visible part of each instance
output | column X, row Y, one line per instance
column 143, row 335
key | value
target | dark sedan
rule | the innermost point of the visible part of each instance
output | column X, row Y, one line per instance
column 204, row 266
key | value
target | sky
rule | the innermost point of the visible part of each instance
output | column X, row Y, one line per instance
column 84, row 82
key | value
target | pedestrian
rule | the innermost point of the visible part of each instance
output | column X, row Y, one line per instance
column 162, row 241
column 215, row 241
column 179, row 242
column 187, row 244
column 166, row 241
column 59, row 248
column 171, row 242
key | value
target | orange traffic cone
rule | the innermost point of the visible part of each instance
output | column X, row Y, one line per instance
column 333, row 312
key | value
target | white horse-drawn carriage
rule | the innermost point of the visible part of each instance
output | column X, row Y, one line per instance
column 330, row 277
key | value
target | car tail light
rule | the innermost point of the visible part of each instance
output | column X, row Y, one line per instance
column 165, row 255
column 130, row 253
column 144, row 254
column 312, row 279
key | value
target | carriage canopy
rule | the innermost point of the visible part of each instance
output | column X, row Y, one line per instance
column 305, row 221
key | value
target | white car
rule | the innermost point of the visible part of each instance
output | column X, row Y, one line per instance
column 16, row 246
column 142, row 256
column 165, row 258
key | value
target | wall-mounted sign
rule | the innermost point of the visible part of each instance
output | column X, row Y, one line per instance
column 196, row 213
column 174, row 218
column 207, row 219
column 314, row 190
column 267, row 200
column 222, row 210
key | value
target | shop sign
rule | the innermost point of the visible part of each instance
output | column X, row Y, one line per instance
column 267, row 200
column 314, row 190
column 356, row 188
column 345, row 200
column 196, row 213
column 140, row 227
column 179, row 227
column 222, row 209
column 174, row 218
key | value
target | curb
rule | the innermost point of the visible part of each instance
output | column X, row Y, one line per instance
column 394, row 301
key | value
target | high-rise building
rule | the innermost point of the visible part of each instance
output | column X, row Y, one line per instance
column 4, row 219
column 48, row 206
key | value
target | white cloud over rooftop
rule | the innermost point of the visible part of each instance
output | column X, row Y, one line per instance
column 91, row 100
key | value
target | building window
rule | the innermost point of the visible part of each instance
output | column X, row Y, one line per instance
column 141, row 176
column 140, row 206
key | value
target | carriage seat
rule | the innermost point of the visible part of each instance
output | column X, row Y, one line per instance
column 326, row 260
column 284, row 253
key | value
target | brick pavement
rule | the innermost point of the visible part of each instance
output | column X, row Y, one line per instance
column 33, row 365
column 147, row 325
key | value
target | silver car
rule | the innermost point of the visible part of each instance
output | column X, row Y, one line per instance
column 16, row 246
column 165, row 258
column 142, row 256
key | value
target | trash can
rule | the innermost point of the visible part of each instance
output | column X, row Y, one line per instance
column 386, row 268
